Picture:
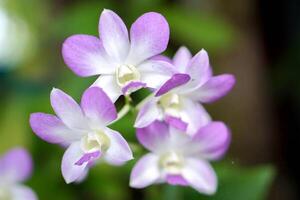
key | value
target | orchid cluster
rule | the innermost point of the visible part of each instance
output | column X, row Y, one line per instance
column 171, row 123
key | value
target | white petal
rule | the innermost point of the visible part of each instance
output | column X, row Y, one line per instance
column 114, row 35
column 70, row 171
column 145, row 172
column 119, row 151
column 200, row 175
column 148, row 113
column 21, row 192
column 109, row 84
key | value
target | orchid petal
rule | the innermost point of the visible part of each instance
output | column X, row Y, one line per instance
column 176, row 180
column 70, row 171
column 67, row 109
column 114, row 35
column 155, row 73
column 148, row 114
column 21, row 192
column 199, row 68
column 149, row 36
column 85, row 56
column 212, row 140
column 109, row 85
column 132, row 87
column 145, row 172
column 181, row 59
column 98, row 107
column 153, row 137
column 200, row 175
column 16, row 165
column 194, row 115
column 119, row 151
column 175, row 81
column 214, row 89
column 51, row 129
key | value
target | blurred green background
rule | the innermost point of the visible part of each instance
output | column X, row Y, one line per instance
column 247, row 38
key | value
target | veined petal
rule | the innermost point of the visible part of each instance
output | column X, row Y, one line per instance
column 214, row 89
column 85, row 56
column 98, row 107
column 199, row 68
column 175, row 81
column 21, row 192
column 70, row 171
column 109, row 84
column 148, row 114
column 212, row 141
column 145, row 172
column 200, row 175
column 155, row 73
column 181, row 59
column 154, row 137
column 119, row 151
column 51, row 129
column 67, row 109
column 114, row 35
column 194, row 115
column 149, row 36
column 16, row 165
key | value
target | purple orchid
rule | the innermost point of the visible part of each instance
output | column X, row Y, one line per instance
column 124, row 65
column 178, row 158
column 178, row 100
column 84, row 130
column 15, row 168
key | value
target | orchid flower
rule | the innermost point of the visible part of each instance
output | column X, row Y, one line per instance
column 124, row 65
column 178, row 158
column 178, row 100
column 83, row 129
column 15, row 168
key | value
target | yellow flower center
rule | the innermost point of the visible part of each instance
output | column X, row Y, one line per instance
column 126, row 74
column 4, row 194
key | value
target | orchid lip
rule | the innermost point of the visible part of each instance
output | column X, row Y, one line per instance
column 171, row 163
column 126, row 73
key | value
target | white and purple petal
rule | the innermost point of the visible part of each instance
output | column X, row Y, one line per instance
column 51, row 129
column 212, row 140
column 175, row 81
column 109, row 84
column 214, row 89
column 132, row 87
column 154, row 137
column 149, row 36
column 16, row 165
column 67, row 109
column 145, row 172
column 119, row 151
column 98, row 107
column 114, row 35
column 70, row 171
column 181, row 59
column 21, row 192
column 155, row 72
column 148, row 114
column 85, row 56
column 200, row 175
